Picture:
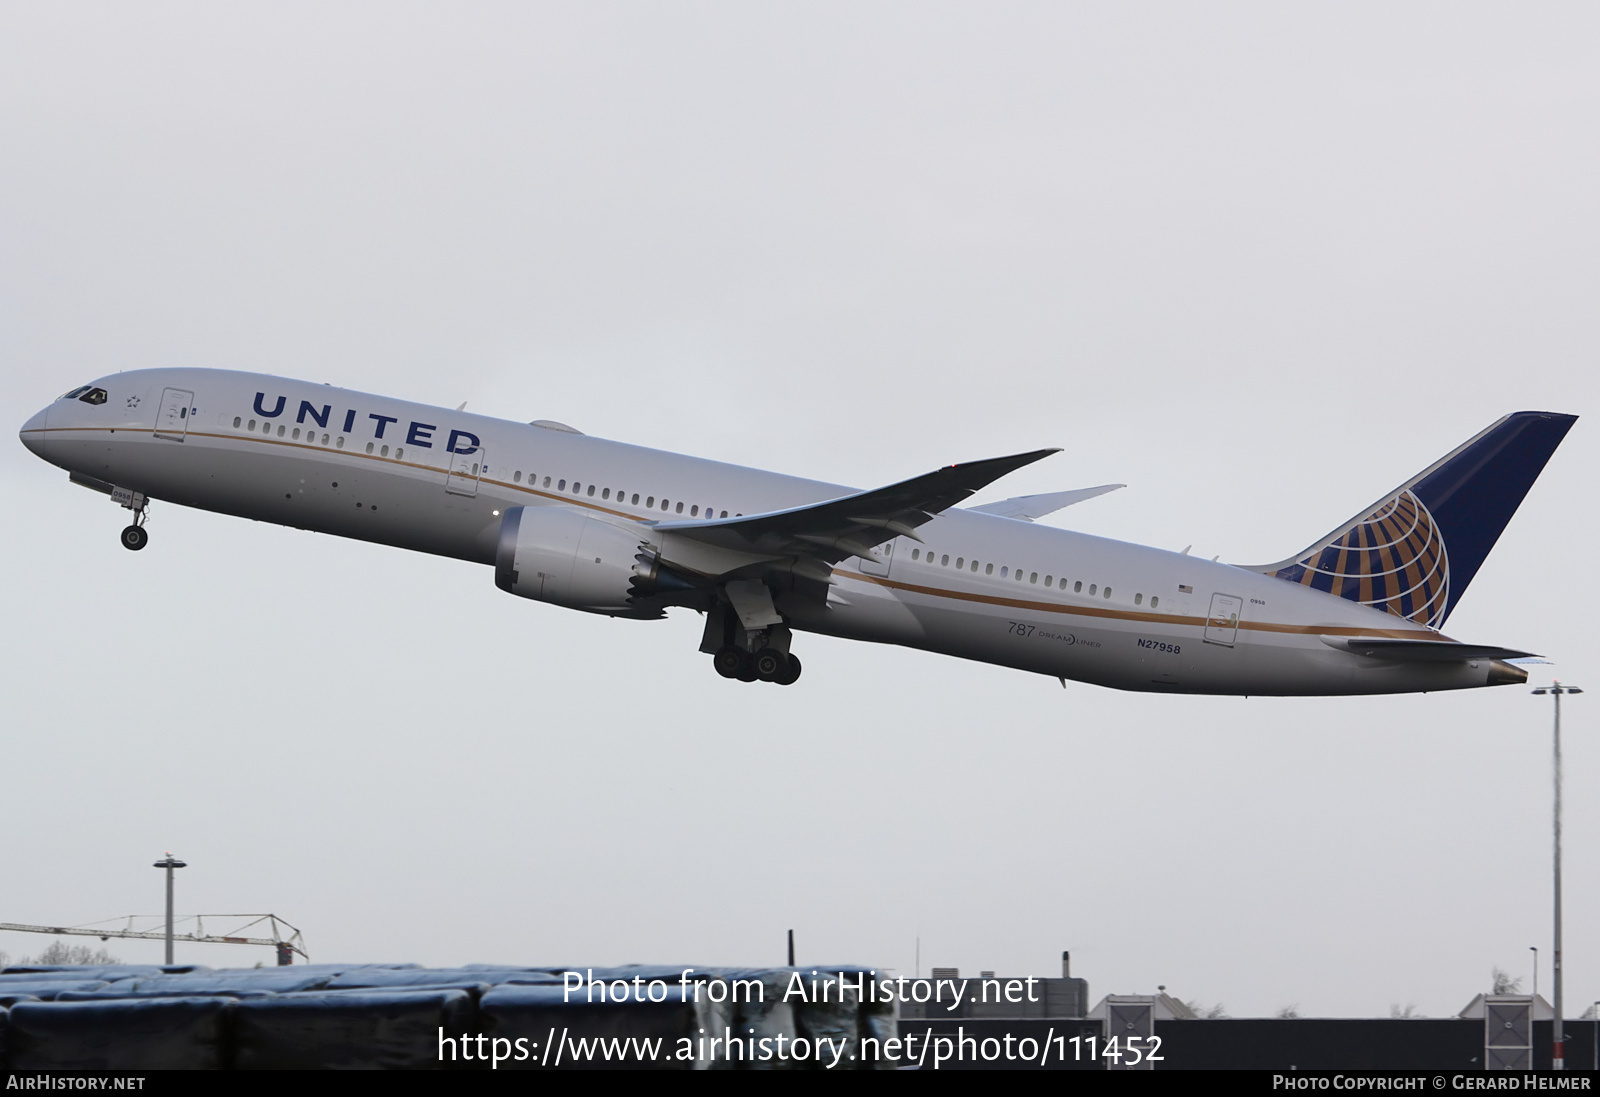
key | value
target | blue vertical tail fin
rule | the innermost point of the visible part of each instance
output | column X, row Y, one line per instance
column 1413, row 552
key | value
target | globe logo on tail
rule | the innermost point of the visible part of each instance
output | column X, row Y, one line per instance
column 1393, row 559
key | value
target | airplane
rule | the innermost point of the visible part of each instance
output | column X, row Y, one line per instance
column 617, row 529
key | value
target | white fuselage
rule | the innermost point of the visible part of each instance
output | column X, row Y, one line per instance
column 980, row 587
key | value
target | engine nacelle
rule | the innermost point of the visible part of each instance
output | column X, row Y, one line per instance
column 562, row 555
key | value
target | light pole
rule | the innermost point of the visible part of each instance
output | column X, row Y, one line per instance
column 1535, row 950
column 1557, row 1037
column 169, row 864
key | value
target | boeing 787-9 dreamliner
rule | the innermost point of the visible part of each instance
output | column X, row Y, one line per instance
column 611, row 528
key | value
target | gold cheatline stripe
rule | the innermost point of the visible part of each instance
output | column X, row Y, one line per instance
column 937, row 592
column 362, row 456
column 1132, row 615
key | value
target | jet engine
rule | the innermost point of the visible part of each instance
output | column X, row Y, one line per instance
column 565, row 556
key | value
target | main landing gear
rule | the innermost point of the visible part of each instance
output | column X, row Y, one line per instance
column 135, row 538
column 765, row 665
column 754, row 654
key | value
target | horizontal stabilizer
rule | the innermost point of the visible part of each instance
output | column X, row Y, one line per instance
column 1423, row 651
column 851, row 525
column 1028, row 507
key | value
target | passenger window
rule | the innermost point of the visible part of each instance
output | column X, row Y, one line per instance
column 252, row 425
column 635, row 498
column 694, row 511
column 650, row 502
column 974, row 566
column 591, row 491
column 1108, row 592
column 385, row 451
column 680, row 508
column 516, row 477
column 1049, row 582
column 916, row 553
column 562, row 486
column 235, row 420
column 325, row 440
column 280, row 432
column 370, row 445
column 961, row 562
column 296, row 436
column 1077, row 588
column 1004, row 571
column 1092, row 588
column 724, row 514
column 988, row 569
column 1154, row 601
column 1034, row 578
column 339, row 441
column 399, row 453
column 944, row 561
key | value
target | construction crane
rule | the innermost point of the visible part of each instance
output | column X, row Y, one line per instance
column 285, row 945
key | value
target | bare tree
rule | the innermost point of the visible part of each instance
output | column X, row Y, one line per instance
column 1505, row 984
column 1407, row 1012
column 59, row 953
column 1209, row 1013
column 1289, row 1013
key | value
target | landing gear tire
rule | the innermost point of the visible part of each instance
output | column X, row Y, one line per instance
column 728, row 661
column 135, row 538
column 790, row 673
column 770, row 665
column 747, row 668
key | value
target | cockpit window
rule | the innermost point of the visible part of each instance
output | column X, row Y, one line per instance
column 87, row 393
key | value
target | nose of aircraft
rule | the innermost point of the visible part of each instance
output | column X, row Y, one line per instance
column 32, row 432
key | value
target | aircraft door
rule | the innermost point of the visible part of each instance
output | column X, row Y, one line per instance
column 465, row 469
column 172, row 418
column 1223, row 623
column 882, row 557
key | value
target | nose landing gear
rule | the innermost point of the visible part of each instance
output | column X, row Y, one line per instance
column 134, row 537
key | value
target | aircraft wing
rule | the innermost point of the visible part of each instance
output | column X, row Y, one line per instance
column 851, row 525
column 1028, row 507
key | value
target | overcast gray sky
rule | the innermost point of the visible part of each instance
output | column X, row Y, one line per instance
column 1260, row 262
